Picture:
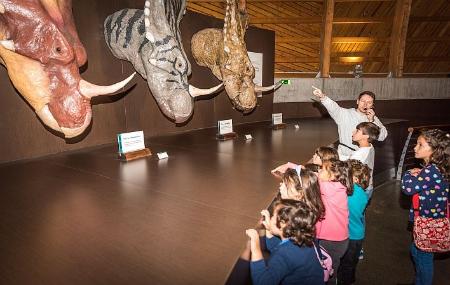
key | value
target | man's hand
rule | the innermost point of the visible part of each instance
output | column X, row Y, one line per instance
column 370, row 113
column 318, row 93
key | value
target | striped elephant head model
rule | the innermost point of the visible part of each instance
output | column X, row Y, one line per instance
column 150, row 39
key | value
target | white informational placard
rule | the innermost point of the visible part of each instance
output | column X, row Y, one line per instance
column 296, row 126
column 248, row 137
column 257, row 61
column 225, row 126
column 132, row 141
column 277, row 118
column 162, row 155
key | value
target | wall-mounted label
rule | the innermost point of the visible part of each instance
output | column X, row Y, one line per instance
column 277, row 118
column 132, row 141
column 225, row 126
column 285, row 81
column 162, row 155
column 248, row 137
column 256, row 59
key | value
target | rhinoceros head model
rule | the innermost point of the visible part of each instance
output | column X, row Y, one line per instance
column 150, row 39
column 40, row 48
column 225, row 53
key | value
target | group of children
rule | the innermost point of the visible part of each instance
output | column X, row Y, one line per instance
column 322, row 204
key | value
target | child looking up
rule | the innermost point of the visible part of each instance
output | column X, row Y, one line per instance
column 357, row 203
column 335, row 182
column 432, row 185
column 364, row 134
column 303, row 187
column 289, row 238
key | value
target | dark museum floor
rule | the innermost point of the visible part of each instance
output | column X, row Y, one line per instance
column 87, row 218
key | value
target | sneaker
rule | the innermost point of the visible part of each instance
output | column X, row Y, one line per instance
column 361, row 254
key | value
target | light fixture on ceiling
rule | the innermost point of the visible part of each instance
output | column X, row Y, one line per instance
column 351, row 59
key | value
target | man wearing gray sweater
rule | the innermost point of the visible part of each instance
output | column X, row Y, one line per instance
column 348, row 119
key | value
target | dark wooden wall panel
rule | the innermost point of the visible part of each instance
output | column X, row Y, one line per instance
column 23, row 136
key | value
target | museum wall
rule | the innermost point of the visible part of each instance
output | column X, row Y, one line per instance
column 419, row 112
column 23, row 136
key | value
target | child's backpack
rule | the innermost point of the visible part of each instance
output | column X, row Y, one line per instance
column 325, row 260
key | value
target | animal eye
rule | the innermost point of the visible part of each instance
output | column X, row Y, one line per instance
column 58, row 49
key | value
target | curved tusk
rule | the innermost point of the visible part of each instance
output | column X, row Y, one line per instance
column 269, row 88
column 47, row 118
column 8, row 44
column 195, row 92
column 74, row 132
column 90, row 90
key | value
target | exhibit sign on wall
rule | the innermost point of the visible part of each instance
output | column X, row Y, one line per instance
column 257, row 61
column 132, row 141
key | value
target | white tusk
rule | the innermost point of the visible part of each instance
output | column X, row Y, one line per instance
column 73, row 132
column 90, row 90
column 47, row 118
column 195, row 92
column 269, row 88
column 8, row 44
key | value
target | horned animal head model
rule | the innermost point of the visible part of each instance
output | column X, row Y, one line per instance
column 150, row 39
column 40, row 48
column 225, row 53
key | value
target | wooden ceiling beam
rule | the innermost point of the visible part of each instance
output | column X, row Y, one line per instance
column 338, row 59
column 430, row 19
column 353, row 40
column 318, row 20
column 325, row 42
column 335, row 40
column 398, row 37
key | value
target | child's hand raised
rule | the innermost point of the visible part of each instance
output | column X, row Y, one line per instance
column 252, row 234
column 266, row 219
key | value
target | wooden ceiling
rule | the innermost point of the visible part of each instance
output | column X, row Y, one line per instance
column 400, row 37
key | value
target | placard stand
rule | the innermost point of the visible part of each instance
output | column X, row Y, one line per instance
column 278, row 126
column 227, row 136
column 135, row 154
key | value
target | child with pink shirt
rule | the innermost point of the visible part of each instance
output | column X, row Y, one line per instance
column 335, row 181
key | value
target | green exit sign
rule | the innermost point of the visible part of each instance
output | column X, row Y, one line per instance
column 285, row 81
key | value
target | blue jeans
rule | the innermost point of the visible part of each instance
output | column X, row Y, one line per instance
column 423, row 262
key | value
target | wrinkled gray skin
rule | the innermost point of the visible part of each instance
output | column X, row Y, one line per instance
column 155, row 50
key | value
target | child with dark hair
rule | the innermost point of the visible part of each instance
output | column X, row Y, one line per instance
column 364, row 134
column 289, row 237
column 335, row 180
column 431, row 184
column 357, row 203
column 303, row 187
